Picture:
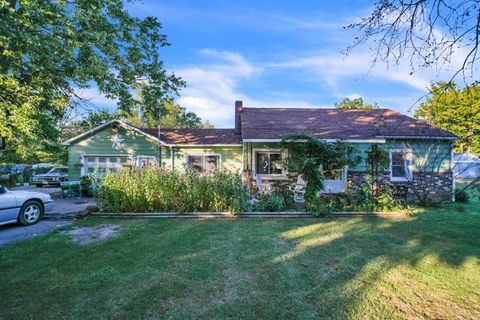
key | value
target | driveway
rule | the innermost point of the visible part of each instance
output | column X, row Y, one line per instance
column 12, row 233
column 61, row 215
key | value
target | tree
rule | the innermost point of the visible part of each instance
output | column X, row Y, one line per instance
column 96, row 118
column 457, row 110
column 425, row 32
column 173, row 116
column 50, row 49
column 356, row 103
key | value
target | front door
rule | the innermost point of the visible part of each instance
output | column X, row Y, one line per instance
column 336, row 180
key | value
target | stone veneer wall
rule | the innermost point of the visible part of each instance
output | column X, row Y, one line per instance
column 440, row 183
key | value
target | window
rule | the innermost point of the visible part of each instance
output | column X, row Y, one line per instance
column 58, row 170
column 400, row 165
column 146, row 161
column 203, row 162
column 268, row 162
column 103, row 164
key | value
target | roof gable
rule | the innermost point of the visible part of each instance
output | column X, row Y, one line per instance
column 172, row 137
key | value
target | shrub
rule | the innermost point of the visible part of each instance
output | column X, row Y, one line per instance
column 355, row 201
column 271, row 203
column 320, row 205
column 152, row 189
column 461, row 195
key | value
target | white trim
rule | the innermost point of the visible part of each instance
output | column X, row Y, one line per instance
column 284, row 154
column 261, row 140
column 107, row 155
column 120, row 122
column 420, row 137
column 327, row 140
column 408, row 168
column 203, row 155
column 204, row 145
column 357, row 140
column 83, row 160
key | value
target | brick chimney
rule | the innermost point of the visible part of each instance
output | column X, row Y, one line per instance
column 238, row 109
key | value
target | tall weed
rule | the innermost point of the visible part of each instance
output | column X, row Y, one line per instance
column 152, row 189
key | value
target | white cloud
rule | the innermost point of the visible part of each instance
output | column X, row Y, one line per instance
column 213, row 88
column 96, row 98
column 333, row 67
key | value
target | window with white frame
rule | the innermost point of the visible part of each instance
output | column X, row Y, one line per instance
column 146, row 161
column 269, row 162
column 400, row 164
column 203, row 162
column 103, row 164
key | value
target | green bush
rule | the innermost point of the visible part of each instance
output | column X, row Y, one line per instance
column 355, row 201
column 462, row 196
column 320, row 205
column 270, row 203
column 156, row 190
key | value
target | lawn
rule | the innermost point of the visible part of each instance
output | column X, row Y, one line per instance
column 427, row 266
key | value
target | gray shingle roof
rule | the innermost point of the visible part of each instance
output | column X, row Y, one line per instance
column 196, row 136
column 273, row 123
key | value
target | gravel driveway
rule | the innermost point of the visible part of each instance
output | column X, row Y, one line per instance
column 62, row 214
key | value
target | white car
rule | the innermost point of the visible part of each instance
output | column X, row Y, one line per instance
column 23, row 207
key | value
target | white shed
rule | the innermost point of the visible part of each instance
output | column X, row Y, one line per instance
column 466, row 166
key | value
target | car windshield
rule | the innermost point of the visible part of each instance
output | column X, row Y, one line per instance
column 58, row 170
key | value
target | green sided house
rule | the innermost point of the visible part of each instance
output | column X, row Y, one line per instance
column 420, row 155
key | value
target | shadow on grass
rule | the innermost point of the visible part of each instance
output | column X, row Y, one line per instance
column 425, row 266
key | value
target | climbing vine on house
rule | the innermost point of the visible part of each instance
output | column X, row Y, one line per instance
column 377, row 160
column 308, row 156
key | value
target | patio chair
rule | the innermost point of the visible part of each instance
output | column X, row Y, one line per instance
column 401, row 193
column 71, row 189
column 299, row 190
column 263, row 189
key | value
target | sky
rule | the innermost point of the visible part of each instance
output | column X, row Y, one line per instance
column 275, row 54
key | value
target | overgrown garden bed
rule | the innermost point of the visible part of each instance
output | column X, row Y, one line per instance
column 156, row 190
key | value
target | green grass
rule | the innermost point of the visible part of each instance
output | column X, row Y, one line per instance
column 427, row 266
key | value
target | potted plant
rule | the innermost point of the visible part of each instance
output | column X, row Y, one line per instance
column 279, row 164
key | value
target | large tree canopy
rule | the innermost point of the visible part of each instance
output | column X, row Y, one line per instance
column 172, row 116
column 50, row 49
column 424, row 32
column 457, row 110
column 356, row 103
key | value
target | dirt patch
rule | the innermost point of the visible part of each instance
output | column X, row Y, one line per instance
column 87, row 235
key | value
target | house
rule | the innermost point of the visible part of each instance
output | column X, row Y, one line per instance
column 420, row 155
column 466, row 166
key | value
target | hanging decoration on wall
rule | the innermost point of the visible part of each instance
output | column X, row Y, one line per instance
column 117, row 142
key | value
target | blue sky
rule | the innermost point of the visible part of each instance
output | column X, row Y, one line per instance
column 275, row 54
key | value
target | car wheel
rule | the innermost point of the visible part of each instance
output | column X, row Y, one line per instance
column 31, row 213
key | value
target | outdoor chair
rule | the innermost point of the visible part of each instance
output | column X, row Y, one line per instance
column 401, row 193
column 263, row 189
column 299, row 190
column 71, row 189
